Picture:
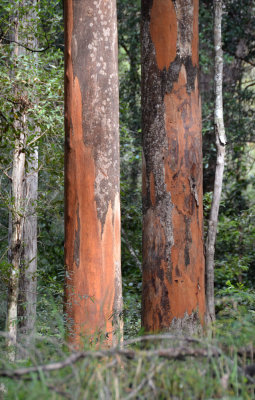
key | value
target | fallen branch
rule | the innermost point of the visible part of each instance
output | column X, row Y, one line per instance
column 170, row 353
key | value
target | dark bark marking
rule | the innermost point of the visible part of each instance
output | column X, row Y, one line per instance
column 77, row 240
column 188, row 240
column 164, row 300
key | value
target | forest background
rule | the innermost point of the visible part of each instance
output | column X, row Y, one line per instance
column 43, row 85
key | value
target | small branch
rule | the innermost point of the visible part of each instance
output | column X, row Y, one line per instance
column 28, row 48
column 9, row 177
column 239, row 57
column 250, row 85
column 125, row 48
column 35, row 139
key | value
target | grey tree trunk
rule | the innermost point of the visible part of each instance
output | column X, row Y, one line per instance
column 17, row 219
column 28, row 273
column 220, row 144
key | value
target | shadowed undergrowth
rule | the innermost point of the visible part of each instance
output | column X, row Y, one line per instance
column 155, row 367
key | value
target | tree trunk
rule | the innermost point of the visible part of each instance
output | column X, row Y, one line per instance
column 17, row 218
column 28, row 273
column 93, row 295
column 173, row 259
column 220, row 144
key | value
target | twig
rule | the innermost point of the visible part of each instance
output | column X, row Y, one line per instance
column 144, row 381
column 35, row 139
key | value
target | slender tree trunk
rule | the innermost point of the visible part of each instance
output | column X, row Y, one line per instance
column 28, row 273
column 17, row 218
column 173, row 295
column 93, row 295
column 16, row 240
column 220, row 144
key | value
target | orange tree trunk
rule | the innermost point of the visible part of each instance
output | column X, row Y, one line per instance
column 93, row 296
column 173, row 259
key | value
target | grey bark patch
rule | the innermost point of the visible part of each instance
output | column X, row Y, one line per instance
column 94, row 29
column 184, row 13
column 193, row 189
column 76, row 255
column 190, row 324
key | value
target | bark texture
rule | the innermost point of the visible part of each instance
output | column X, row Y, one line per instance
column 28, row 272
column 220, row 145
column 173, row 260
column 92, row 205
column 17, row 218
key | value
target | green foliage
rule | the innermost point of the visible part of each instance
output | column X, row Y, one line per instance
column 235, row 255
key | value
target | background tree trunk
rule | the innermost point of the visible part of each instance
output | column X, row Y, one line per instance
column 28, row 273
column 17, row 218
column 173, row 260
column 220, row 144
column 93, row 295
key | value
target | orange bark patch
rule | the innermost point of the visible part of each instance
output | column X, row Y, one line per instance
column 90, row 286
column 195, row 38
column 163, row 30
column 182, row 169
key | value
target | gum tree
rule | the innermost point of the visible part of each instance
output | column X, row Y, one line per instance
column 173, row 259
column 93, row 297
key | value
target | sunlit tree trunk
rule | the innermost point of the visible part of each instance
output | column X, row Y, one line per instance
column 17, row 219
column 173, row 293
column 93, row 296
column 220, row 145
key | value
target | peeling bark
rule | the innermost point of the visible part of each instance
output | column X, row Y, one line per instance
column 93, row 295
column 218, row 180
column 173, row 260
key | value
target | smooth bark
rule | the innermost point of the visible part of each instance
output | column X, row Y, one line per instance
column 17, row 217
column 173, row 294
column 93, row 295
column 28, row 273
column 220, row 145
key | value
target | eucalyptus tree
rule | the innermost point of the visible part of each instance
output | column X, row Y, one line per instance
column 173, row 293
column 93, row 295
